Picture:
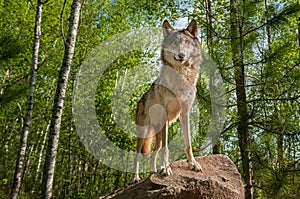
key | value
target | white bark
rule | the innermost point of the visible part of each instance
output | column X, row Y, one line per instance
column 49, row 166
column 28, row 118
column 41, row 154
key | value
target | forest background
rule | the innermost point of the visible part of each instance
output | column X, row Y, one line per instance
column 255, row 45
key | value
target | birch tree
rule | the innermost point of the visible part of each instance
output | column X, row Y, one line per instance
column 49, row 166
column 269, row 47
column 29, row 107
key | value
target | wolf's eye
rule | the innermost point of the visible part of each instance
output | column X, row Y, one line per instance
column 173, row 43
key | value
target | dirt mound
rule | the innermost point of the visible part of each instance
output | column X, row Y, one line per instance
column 219, row 179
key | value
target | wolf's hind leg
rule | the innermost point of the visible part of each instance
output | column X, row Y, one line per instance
column 139, row 146
column 141, row 134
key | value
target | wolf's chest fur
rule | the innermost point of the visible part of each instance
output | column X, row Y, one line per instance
column 180, row 82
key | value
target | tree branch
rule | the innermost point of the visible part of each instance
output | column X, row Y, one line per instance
column 293, row 9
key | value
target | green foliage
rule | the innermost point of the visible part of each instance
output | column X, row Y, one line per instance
column 271, row 57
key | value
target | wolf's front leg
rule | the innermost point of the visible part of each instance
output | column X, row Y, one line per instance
column 193, row 164
column 165, row 166
column 156, row 149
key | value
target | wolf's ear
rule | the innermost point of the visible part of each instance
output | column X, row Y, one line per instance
column 193, row 28
column 167, row 28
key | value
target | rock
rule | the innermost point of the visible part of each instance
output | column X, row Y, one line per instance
column 219, row 179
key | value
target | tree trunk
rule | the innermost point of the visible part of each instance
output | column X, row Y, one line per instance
column 298, row 29
column 210, row 46
column 48, row 173
column 29, row 107
column 209, row 23
column 41, row 155
column 239, row 76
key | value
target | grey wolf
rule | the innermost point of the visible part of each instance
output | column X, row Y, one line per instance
column 170, row 97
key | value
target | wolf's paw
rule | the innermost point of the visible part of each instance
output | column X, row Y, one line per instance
column 166, row 171
column 195, row 166
column 136, row 180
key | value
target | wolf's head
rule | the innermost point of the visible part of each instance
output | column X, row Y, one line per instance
column 181, row 47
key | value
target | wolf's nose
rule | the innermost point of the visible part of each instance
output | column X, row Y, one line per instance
column 181, row 56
